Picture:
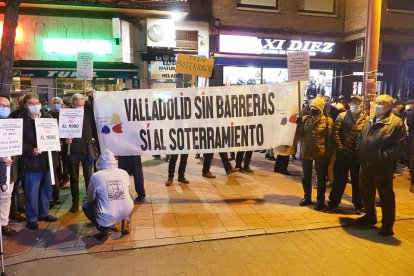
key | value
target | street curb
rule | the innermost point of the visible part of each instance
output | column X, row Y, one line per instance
column 39, row 254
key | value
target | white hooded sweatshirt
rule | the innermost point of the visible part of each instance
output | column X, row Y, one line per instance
column 109, row 188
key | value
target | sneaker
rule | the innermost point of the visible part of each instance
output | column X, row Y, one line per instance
column 103, row 234
column 331, row 209
column 169, row 181
column 32, row 226
column 8, row 231
column 319, row 207
column 49, row 218
column 183, row 180
column 385, row 231
column 126, row 227
column 247, row 170
column 285, row 172
column 305, row 202
column 231, row 171
column 74, row 208
column 209, row 175
column 358, row 211
column 367, row 220
column 140, row 199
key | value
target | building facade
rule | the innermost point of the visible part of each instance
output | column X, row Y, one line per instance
column 333, row 31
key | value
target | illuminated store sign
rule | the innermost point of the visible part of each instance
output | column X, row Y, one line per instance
column 73, row 46
column 271, row 46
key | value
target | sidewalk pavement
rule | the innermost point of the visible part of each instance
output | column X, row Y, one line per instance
column 330, row 251
column 238, row 205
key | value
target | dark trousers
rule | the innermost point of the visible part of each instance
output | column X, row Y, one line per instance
column 133, row 166
column 281, row 164
column 56, row 188
column 247, row 156
column 89, row 211
column 62, row 169
column 74, row 176
column 307, row 168
column 341, row 170
column 208, row 158
column 181, row 167
column 378, row 178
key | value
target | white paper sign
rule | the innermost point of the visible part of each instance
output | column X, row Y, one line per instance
column 298, row 66
column 71, row 122
column 84, row 68
column 47, row 134
column 11, row 137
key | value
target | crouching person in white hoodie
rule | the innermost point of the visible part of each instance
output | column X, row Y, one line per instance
column 108, row 197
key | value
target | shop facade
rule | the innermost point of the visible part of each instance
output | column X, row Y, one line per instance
column 241, row 60
column 46, row 53
column 165, row 39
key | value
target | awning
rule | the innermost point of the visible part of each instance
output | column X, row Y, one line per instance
column 56, row 69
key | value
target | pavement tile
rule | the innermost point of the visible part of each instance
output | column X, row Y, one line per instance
column 228, row 206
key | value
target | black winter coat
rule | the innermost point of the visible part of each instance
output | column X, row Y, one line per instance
column 29, row 162
column 79, row 146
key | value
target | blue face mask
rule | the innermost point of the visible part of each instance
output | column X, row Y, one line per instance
column 4, row 112
column 56, row 107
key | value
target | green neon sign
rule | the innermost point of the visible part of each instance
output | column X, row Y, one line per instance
column 69, row 46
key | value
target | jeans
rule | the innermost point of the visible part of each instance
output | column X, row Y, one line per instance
column 133, row 166
column 341, row 170
column 74, row 175
column 181, row 168
column 378, row 178
column 307, row 167
column 208, row 158
column 5, row 203
column 247, row 157
column 38, row 191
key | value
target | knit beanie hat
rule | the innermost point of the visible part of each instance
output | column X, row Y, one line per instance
column 318, row 103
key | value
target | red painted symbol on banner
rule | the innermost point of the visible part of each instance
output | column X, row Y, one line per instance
column 181, row 94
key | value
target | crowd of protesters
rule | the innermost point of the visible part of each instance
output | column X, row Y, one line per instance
column 337, row 140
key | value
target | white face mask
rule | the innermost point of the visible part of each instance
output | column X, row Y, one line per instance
column 380, row 110
column 34, row 109
column 355, row 108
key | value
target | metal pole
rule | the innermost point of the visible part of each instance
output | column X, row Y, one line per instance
column 371, row 52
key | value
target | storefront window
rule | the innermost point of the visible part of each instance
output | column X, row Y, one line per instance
column 241, row 75
column 320, row 82
column 274, row 75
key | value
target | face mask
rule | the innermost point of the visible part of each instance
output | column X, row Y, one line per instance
column 56, row 107
column 4, row 112
column 355, row 108
column 380, row 110
column 34, row 109
column 314, row 112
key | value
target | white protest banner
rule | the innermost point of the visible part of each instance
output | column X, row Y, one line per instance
column 11, row 142
column 71, row 122
column 196, row 120
column 47, row 137
column 11, row 133
column 84, row 66
column 298, row 66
